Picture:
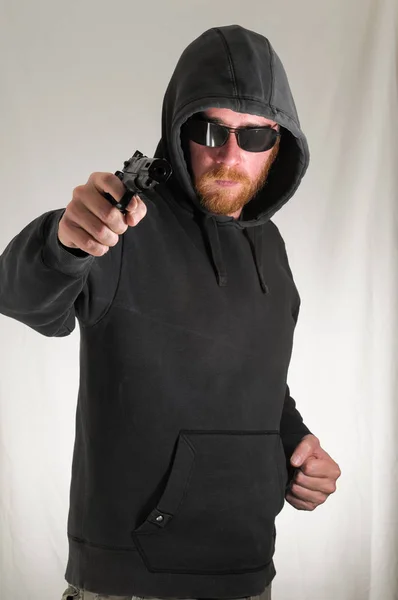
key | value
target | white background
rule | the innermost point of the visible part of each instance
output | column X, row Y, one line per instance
column 81, row 89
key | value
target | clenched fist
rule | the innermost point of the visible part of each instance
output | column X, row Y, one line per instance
column 315, row 477
column 90, row 222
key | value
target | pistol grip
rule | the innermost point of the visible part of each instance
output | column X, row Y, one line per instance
column 123, row 202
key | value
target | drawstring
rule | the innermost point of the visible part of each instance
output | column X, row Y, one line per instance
column 255, row 237
column 211, row 229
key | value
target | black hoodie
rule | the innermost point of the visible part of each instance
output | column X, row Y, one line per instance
column 184, row 420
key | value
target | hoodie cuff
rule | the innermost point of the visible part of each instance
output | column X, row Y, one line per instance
column 70, row 261
column 291, row 440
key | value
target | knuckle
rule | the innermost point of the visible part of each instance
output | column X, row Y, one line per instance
column 332, row 488
column 106, row 236
column 91, row 244
column 112, row 238
column 121, row 228
column 101, row 231
column 309, row 468
column 295, row 488
column 96, row 177
column 78, row 191
column 113, row 241
column 105, row 212
column 113, row 218
column 93, row 247
column 113, row 185
column 108, row 178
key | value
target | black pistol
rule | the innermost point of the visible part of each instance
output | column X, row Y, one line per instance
column 140, row 173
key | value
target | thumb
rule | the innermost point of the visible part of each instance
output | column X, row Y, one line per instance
column 133, row 204
column 304, row 450
column 135, row 211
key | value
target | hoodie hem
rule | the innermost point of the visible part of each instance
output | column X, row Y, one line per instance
column 122, row 572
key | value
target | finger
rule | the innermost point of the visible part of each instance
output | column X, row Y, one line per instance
column 320, row 467
column 90, row 197
column 307, row 447
column 320, row 484
column 136, row 211
column 109, row 183
column 306, row 495
column 299, row 504
column 98, row 230
column 80, row 238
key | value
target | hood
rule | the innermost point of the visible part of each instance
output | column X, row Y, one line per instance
column 233, row 67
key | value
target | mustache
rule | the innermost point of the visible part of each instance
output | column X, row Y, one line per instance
column 222, row 172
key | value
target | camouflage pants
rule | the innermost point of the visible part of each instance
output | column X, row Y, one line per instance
column 73, row 593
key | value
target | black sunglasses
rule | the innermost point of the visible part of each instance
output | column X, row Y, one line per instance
column 214, row 135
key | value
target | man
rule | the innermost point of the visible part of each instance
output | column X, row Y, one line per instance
column 185, row 425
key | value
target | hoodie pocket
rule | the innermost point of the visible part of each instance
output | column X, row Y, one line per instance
column 217, row 512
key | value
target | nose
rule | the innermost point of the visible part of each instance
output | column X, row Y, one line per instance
column 229, row 154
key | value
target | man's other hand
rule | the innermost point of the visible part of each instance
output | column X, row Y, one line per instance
column 315, row 476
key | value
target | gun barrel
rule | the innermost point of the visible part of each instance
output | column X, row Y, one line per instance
column 160, row 170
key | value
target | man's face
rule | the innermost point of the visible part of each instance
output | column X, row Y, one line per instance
column 226, row 178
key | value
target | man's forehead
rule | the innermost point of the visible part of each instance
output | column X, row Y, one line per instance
column 233, row 118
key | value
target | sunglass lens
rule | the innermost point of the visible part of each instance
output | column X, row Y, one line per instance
column 257, row 140
column 206, row 134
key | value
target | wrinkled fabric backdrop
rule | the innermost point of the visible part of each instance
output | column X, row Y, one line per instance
column 81, row 89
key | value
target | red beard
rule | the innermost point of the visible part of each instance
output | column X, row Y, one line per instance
column 226, row 201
